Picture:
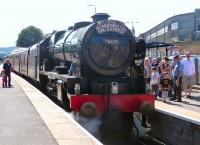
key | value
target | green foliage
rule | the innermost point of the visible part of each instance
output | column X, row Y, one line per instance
column 29, row 36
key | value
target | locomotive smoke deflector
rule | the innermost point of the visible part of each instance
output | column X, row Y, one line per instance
column 70, row 28
column 100, row 16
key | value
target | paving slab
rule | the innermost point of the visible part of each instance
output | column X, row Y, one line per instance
column 20, row 123
column 28, row 117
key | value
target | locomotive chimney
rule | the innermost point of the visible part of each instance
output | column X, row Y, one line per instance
column 100, row 16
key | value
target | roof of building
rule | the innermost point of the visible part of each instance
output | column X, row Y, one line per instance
column 191, row 13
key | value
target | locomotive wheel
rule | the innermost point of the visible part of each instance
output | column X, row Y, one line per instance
column 147, row 108
column 65, row 99
column 43, row 82
column 66, row 104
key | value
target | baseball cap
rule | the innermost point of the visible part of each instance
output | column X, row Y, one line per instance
column 176, row 55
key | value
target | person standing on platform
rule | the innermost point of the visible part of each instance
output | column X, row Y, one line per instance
column 188, row 74
column 165, row 85
column 147, row 71
column 7, row 67
column 154, row 83
column 4, row 78
column 154, row 62
column 177, row 74
column 165, row 67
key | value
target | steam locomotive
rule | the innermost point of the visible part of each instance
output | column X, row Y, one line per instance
column 90, row 67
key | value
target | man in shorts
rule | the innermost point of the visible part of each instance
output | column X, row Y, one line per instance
column 188, row 74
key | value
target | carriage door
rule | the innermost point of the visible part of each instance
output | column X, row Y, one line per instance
column 37, row 65
column 19, row 62
column 36, row 61
column 28, row 55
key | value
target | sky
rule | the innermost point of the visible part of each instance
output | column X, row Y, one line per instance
column 49, row 15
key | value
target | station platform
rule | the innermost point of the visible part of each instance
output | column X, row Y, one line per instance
column 176, row 123
column 187, row 110
column 192, row 104
column 28, row 117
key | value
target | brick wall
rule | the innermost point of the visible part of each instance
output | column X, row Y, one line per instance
column 174, row 131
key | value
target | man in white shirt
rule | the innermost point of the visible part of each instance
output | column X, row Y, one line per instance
column 188, row 74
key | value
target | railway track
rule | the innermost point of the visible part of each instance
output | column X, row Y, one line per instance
column 109, row 137
column 115, row 137
column 125, row 140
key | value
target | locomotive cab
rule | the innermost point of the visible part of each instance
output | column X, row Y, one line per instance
column 139, row 56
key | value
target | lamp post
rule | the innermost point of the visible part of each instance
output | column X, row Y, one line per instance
column 132, row 27
column 94, row 7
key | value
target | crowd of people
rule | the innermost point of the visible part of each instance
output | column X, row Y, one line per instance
column 166, row 79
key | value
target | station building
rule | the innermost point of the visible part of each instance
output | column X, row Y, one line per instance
column 181, row 30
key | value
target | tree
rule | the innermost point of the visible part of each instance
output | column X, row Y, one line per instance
column 29, row 36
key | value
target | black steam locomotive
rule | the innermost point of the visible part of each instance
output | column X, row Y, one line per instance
column 90, row 67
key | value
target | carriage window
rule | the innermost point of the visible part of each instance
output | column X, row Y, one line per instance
column 174, row 26
column 198, row 24
column 166, row 29
column 184, row 24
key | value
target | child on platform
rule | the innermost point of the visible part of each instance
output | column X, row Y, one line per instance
column 165, row 85
column 4, row 79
